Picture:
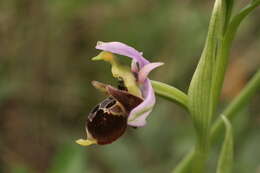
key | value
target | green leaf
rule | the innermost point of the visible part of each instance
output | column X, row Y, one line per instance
column 202, row 94
column 230, row 112
column 225, row 161
column 171, row 93
column 228, row 8
column 202, row 97
column 223, row 55
column 237, row 19
column 197, row 90
column 222, row 63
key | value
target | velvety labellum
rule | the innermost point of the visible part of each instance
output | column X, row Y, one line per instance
column 108, row 120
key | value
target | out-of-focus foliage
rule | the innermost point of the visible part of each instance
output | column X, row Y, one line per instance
column 45, row 75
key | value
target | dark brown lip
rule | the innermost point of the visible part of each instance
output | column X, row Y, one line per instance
column 129, row 101
column 106, row 127
column 108, row 120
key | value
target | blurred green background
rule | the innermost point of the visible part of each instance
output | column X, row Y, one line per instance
column 45, row 90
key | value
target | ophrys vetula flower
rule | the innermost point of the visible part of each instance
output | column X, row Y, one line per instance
column 129, row 104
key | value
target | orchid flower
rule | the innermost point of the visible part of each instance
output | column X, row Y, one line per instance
column 130, row 104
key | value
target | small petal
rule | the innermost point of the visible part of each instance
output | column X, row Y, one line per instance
column 124, row 50
column 144, row 72
column 139, row 114
column 134, row 67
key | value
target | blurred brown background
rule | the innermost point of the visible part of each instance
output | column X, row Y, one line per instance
column 45, row 90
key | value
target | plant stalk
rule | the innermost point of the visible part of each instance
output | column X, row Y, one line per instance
column 171, row 93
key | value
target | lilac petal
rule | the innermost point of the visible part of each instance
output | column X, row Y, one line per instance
column 124, row 50
column 139, row 114
column 134, row 67
column 143, row 73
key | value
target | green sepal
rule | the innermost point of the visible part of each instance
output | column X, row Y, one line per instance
column 121, row 72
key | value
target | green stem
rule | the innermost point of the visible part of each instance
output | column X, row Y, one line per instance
column 237, row 104
column 199, row 160
column 171, row 93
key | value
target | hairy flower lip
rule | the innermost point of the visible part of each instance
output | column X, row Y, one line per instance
column 103, row 125
column 129, row 101
column 141, row 67
column 107, row 121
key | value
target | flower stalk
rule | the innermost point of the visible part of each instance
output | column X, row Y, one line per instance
column 171, row 93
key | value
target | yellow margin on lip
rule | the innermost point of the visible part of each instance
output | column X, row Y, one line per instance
column 86, row 142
